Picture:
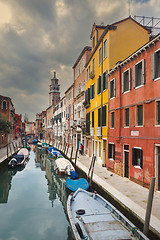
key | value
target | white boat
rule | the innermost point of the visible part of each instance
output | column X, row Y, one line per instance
column 92, row 217
column 64, row 166
column 23, row 151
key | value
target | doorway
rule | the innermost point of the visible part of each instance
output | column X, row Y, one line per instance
column 157, row 167
column 126, row 160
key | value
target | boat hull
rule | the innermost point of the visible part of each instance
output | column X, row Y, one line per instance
column 93, row 217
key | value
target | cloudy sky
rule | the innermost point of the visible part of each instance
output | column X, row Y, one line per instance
column 38, row 36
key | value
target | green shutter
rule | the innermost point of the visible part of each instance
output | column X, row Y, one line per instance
column 143, row 71
column 91, row 92
column 113, row 151
column 99, row 117
column 141, row 158
column 129, row 79
column 98, row 86
column 133, row 157
column 123, row 82
column 93, row 119
column 109, row 150
column 115, row 87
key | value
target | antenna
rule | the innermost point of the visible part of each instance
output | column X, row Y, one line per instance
column 129, row 2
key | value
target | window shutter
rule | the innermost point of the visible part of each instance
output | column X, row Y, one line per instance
column 129, row 79
column 103, row 81
column 143, row 71
column 88, row 94
column 104, row 116
column 115, row 87
column 123, row 82
column 106, row 78
column 114, row 151
column 133, row 157
column 134, row 76
column 109, row 89
column 98, row 86
column 100, row 78
column 153, row 66
column 109, row 150
column 91, row 92
column 141, row 158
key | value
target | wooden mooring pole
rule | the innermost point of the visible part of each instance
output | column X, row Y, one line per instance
column 149, row 207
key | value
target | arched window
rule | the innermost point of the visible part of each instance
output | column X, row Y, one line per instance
column 4, row 105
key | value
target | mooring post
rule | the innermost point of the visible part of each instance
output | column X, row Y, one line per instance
column 71, row 153
column 76, row 157
column 7, row 151
column 149, row 207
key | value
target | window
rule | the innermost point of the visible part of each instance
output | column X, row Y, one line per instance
column 87, row 95
column 93, row 41
column 112, row 119
column 104, row 80
column 88, row 122
column 99, row 85
column 4, row 105
column 126, row 80
column 155, row 65
column 137, row 157
column 92, row 91
column 112, row 88
column 93, row 119
column 83, row 85
column 99, row 117
column 111, row 151
column 158, row 113
column 139, row 74
column 140, row 115
column 100, row 56
column 83, row 63
column 79, row 88
column 93, row 66
column 127, row 117
column 105, row 48
column 104, row 116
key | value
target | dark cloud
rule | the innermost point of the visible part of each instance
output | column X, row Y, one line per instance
column 50, row 34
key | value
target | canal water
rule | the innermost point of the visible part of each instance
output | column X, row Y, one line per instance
column 33, row 202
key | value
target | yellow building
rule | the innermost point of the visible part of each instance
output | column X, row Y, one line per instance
column 110, row 44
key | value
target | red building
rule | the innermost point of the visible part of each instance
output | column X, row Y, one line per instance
column 134, row 115
column 7, row 110
column 17, row 125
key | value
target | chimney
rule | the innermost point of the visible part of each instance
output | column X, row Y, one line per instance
column 54, row 74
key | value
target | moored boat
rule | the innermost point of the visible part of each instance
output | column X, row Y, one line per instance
column 93, row 217
column 74, row 184
column 64, row 166
column 17, row 161
column 23, row 151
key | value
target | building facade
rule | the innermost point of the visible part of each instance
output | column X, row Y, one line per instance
column 134, row 115
column 110, row 44
column 79, row 96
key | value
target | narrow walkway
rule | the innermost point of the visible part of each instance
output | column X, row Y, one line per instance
column 130, row 194
column 3, row 151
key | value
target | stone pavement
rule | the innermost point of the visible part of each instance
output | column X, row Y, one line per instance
column 129, row 194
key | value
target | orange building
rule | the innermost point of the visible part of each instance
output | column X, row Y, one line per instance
column 134, row 115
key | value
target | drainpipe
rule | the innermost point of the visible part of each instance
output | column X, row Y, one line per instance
column 120, row 120
column 102, row 94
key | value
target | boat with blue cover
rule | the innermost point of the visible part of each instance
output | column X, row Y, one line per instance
column 74, row 184
column 17, row 161
column 93, row 217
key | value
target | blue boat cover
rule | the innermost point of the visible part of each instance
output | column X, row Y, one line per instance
column 74, row 175
column 73, row 185
column 51, row 148
column 19, row 157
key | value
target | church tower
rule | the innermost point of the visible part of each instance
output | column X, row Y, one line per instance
column 54, row 94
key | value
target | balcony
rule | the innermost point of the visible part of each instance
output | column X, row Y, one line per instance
column 91, row 75
column 86, row 103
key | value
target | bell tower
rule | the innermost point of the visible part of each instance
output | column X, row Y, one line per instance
column 54, row 93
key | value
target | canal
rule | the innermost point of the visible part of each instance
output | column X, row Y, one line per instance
column 33, row 201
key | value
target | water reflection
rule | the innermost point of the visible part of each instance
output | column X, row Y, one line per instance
column 35, row 202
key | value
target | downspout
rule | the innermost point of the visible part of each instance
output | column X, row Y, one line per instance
column 101, row 95
column 120, row 120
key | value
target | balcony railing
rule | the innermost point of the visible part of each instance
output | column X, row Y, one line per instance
column 91, row 75
column 86, row 103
